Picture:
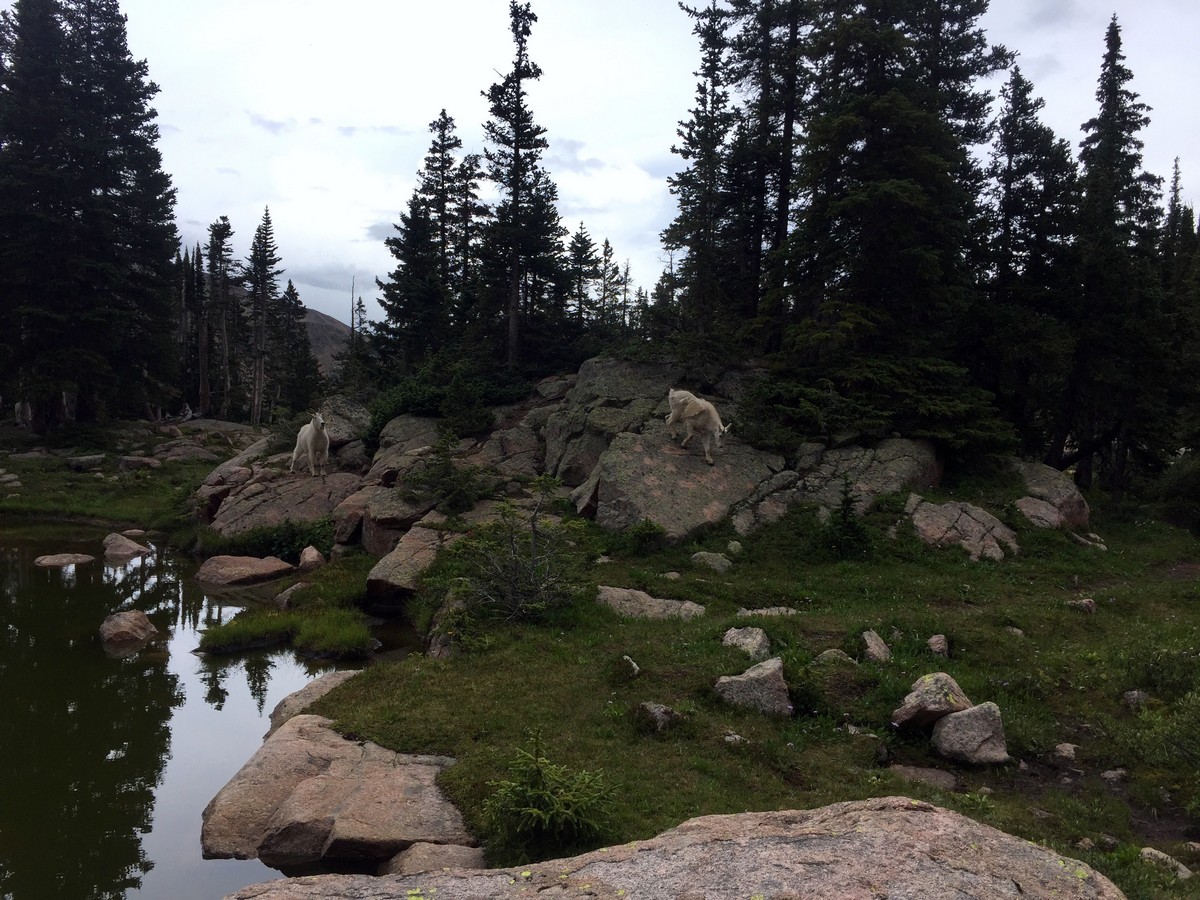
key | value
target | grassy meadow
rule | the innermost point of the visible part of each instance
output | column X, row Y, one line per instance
column 1057, row 673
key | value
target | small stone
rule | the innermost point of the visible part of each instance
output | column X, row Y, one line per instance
column 671, row 576
column 1108, row 843
column 938, row 645
column 752, row 641
column 1012, row 629
column 1182, row 872
column 836, row 656
column 1065, row 752
column 1087, row 605
column 1085, row 844
column 1114, row 776
column 733, row 548
column 876, row 649
column 718, row 562
column 1135, row 700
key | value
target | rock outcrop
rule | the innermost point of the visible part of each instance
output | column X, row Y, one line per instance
column 635, row 604
column 1057, row 489
column 887, row 847
column 959, row 524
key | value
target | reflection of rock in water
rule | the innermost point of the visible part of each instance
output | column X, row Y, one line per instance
column 86, row 736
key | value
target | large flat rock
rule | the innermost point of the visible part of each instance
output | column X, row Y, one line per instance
column 888, row 847
column 285, row 498
column 310, row 795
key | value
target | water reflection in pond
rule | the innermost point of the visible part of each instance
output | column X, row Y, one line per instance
column 108, row 762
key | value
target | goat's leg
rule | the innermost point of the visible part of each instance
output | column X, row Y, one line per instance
column 690, row 432
column 707, row 441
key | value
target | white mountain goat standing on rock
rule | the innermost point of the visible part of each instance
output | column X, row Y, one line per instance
column 698, row 417
column 313, row 440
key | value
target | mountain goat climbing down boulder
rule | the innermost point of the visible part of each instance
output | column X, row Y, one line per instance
column 313, row 441
column 698, row 417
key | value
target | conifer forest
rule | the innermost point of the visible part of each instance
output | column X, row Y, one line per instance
column 890, row 243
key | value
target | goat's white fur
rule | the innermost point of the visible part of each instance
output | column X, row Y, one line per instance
column 698, row 417
column 313, row 441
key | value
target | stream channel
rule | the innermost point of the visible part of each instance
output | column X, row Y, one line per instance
column 107, row 763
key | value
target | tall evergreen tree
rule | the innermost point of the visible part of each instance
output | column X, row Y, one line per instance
column 81, row 180
column 261, row 281
column 224, row 318
column 878, row 257
column 696, row 233
column 415, row 302
column 514, row 148
column 583, row 267
column 296, row 375
column 1024, row 328
column 1116, row 398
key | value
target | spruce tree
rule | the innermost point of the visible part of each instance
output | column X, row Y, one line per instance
column 1024, row 328
column 261, row 281
column 878, row 258
column 696, row 232
column 225, row 320
column 415, row 302
column 514, row 148
column 1116, row 401
column 81, row 182
column 583, row 267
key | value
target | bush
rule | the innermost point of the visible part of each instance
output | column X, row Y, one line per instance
column 544, row 810
column 642, row 539
column 522, row 569
column 1178, row 493
column 457, row 488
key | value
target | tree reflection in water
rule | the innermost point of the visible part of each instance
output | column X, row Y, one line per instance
column 86, row 737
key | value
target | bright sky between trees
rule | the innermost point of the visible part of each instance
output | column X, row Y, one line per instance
column 321, row 111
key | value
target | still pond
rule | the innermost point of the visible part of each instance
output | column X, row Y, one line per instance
column 107, row 763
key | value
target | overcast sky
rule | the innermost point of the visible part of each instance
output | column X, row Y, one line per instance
column 321, row 110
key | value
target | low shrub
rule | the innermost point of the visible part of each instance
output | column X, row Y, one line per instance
column 520, row 568
column 457, row 487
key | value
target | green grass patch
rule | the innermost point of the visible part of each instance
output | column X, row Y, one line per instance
column 1057, row 674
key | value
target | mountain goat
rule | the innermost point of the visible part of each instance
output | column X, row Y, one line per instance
column 698, row 417
column 313, row 440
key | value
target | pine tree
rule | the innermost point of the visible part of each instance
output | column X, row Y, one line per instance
column 415, row 302
column 583, row 267
column 696, row 231
column 295, row 373
column 878, row 257
column 224, row 317
column 515, row 144
column 1116, row 399
column 1024, row 328
column 86, row 216
column 261, row 281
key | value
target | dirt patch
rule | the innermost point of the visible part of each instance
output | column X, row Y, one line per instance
column 1185, row 571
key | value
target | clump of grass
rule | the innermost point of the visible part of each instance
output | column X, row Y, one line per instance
column 334, row 634
column 250, row 630
column 285, row 541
